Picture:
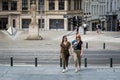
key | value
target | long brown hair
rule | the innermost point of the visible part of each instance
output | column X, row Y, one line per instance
column 63, row 38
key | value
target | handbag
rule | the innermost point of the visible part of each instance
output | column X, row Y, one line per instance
column 60, row 62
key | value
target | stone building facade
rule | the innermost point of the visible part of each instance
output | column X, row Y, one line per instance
column 104, row 12
column 51, row 14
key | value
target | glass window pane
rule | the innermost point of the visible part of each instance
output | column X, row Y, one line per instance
column 51, row 4
column 61, row 4
column 41, row 4
column 25, row 23
column 24, row 5
column 4, row 5
column 14, row 5
column 56, row 23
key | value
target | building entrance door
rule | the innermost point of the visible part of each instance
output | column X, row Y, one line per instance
column 3, row 23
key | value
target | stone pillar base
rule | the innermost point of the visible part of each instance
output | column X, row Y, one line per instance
column 33, row 33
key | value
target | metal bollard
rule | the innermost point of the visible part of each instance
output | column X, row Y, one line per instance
column 11, row 61
column 103, row 45
column 87, row 45
column 85, row 62
column 111, row 62
column 36, row 62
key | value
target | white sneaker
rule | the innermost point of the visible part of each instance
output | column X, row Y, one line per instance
column 66, row 68
column 76, row 70
column 63, row 71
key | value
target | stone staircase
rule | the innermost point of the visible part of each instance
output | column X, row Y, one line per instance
column 28, row 56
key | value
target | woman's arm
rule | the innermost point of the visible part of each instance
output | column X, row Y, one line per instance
column 81, row 50
column 70, row 50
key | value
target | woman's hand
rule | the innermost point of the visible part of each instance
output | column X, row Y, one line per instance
column 81, row 52
column 60, row 55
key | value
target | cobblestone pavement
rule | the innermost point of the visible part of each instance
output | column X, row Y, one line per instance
column 51, row 41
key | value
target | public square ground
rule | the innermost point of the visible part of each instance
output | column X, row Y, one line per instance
column 52, row 41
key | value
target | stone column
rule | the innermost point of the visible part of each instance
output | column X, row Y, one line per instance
column 29, row 6
column 19, row 5
column 72, row 5
column 47, row 23
column 46, row 5
column 9, row 21
column 37, row 4
column 65, row 19
column 66, row 5
column 56, row 5
column 65, row 24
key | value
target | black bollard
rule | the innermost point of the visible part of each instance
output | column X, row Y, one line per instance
column 36, row 62
column 86, row 45
column 11, row 61
column 111, row 62
column 103, row 45
column 85, row 62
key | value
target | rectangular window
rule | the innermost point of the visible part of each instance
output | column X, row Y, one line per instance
column 80, row 4
column 51, row 4
column 5, row 5
column 77, row 4
column 24, row 5
column 14, row 5
column 56, row 23
column 25, row 23
column 14, row 22
column 41, row 4
column 61, row 4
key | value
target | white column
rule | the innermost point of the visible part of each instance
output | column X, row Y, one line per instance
column 56, row 5
column 29, row 5
column 46, row 6
column 37, row 4
column 9, row 21
column 19, row 5
column 47, row 23
column 66, row 5
column 113, row 6
column 85, row 7
column 65, row 24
